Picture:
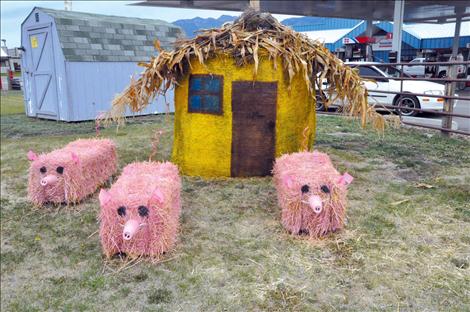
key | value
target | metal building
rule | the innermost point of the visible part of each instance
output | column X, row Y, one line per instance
column 73, row 63
column 416, row 38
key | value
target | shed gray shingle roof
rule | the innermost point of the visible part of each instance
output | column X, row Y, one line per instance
column 95, row 37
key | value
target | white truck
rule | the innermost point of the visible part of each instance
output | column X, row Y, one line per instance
column 439, row 71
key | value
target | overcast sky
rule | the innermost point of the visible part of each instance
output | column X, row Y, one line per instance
column 14, row 12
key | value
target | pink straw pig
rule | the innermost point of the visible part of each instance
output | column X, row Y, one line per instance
column 69, row 174
column 311, row 193
column 140, row 212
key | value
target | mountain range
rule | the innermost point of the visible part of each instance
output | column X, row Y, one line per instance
column 190, row 26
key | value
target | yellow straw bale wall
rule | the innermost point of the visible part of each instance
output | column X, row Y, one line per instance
column 203, row 142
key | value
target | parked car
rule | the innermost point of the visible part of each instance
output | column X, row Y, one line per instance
column 16, row 83
column 384, row 82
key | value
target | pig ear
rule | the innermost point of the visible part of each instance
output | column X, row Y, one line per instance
column 104, row 197
column 345, row 179
column 288, row 181
column 32, row 156
column 75, row 158
column 157, row 196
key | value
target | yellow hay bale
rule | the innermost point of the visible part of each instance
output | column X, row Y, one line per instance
column 250, row 37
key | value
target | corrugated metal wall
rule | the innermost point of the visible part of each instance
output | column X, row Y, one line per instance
column 323, row 23
column 381, row 56
column 440, row 43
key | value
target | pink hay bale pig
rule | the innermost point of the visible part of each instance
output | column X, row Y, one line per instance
column 71, row 173
column 311, row 193
column 140, row 212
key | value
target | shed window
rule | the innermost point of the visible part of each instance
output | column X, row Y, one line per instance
column 205, row 94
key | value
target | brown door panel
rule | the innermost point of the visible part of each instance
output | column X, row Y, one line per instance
column 254, row 127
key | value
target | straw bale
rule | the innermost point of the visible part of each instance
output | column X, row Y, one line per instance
column 301, row 179
column 252, row 36
column 69, row 174
column 146, row 194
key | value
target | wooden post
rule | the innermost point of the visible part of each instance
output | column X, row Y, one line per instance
column 452, row 73
column 255, row 4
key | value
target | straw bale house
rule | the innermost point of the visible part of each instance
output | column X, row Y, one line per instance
column 244, row 94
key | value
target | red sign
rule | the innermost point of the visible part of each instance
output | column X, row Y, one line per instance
column 365, row 39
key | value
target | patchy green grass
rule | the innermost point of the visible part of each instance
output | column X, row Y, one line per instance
column 15, row 74
column 11, row 102
column 405, row 247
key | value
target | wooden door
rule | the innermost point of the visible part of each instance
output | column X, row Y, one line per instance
column 42, row 72
column 253, row 128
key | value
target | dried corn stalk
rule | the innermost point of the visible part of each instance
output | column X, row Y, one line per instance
column 251, row 36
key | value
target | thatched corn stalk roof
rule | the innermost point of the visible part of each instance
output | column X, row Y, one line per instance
column 252, row 36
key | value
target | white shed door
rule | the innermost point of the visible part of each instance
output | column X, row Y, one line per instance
column 42, row 72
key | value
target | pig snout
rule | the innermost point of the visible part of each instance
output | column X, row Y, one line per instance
column 130, row 229
column 48, row 180
column 315, row 203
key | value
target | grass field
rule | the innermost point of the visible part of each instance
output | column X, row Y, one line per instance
column 406, row 246
column 11, row 103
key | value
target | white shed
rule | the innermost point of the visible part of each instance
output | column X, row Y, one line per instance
column 74, row 63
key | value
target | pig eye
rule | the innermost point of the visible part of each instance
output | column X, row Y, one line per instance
column 305, row 188
column 60, row 169
column 43, row 169
column 121, row 211
column 143, row 211
column 325, row 189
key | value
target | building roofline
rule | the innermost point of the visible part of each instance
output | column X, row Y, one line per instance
column 97, row 15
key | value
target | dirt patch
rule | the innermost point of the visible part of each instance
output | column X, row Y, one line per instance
column 344, row 134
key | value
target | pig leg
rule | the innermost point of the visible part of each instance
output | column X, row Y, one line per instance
column 162, row 234
column 111, row 238
column 292, row 219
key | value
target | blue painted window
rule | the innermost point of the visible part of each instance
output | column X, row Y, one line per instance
column 205, row 94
